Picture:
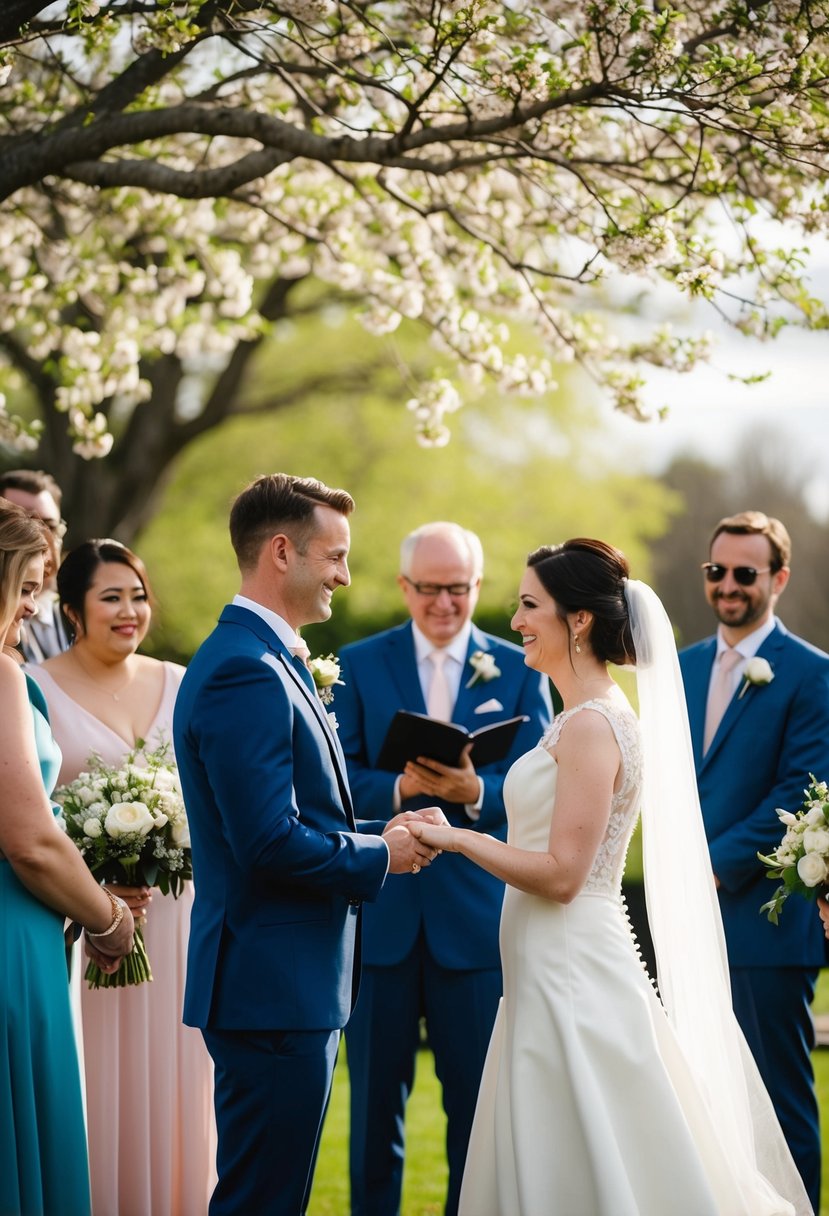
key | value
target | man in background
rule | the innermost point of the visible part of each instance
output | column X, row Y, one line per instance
column 758, row 704
column 40, row 495
column 430, row 945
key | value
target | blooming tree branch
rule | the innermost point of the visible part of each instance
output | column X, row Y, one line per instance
column 459, row 165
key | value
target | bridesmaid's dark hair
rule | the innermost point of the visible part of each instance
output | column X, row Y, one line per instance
column 78, row 570
column 590, row 575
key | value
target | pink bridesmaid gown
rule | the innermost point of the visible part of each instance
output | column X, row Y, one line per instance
column 149, row 1084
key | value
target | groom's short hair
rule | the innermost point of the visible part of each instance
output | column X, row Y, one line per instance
column 278, row 502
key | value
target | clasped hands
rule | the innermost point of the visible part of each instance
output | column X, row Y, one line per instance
column 407, row 853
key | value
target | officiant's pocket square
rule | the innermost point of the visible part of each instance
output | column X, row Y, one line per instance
column 489, row 707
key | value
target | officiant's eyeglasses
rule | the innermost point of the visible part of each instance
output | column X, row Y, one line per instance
column 434, row 589
column 746, row 576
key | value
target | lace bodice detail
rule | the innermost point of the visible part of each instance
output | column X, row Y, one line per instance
column 607, row 869
column 530, row 787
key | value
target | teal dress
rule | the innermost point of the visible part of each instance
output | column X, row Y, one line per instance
column 43, row 1159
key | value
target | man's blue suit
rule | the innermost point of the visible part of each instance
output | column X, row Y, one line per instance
column 770, row 739
column 280, row 875
column 438, row 929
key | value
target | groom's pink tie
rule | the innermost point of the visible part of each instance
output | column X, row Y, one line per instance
column 720, row 694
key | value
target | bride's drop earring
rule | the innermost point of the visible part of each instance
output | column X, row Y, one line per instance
column 576, row 646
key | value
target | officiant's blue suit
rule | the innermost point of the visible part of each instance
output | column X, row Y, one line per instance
column 280, row 874
column 442, row 923
column 770, row 739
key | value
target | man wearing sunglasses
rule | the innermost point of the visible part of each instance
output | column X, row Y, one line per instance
column 758, row 704
column 39, row 494
column 429, row 948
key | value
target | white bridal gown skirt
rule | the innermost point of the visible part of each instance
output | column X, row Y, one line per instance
column 586, row 1105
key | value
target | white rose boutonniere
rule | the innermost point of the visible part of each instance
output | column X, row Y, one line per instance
column 758, row 671
column 326, row 672
column 484, row 667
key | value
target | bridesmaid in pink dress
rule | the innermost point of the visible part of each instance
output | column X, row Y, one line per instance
column 148, row 1077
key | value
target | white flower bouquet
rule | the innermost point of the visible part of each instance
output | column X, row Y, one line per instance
column 801, row 859
column 131, row 827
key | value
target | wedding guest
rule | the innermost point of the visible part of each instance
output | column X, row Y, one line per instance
column 40, row 496
column 43, row 879
column 430, row 947
column 148, row 1077
column 274, row 959
column 758, row 703
column 597, row 1098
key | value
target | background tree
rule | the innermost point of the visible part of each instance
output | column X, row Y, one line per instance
column 521, row 474
column 175, row 174
column 766, row 474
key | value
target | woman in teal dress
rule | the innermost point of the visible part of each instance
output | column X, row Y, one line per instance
column 43, row 881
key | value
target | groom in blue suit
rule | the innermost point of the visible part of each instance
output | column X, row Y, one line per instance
column 758, row 704
column 430, row 947
column 280, row 869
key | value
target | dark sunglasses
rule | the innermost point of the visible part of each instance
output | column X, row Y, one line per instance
column 746, row 576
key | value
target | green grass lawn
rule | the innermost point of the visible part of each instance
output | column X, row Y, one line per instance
column 424, row 1183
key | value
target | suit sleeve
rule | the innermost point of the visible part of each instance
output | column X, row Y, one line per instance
column 250, row 738
column 804, row 749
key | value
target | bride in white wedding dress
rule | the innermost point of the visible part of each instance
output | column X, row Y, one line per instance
column 598, row 1098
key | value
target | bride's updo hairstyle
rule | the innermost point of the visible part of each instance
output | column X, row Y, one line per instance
column 590, row 575
column 77, row 572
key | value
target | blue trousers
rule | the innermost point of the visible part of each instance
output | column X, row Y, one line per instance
column 772, row 1005
column 382, row 1039
column 270, row 1093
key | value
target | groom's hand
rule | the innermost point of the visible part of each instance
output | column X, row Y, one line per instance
column 406, row 854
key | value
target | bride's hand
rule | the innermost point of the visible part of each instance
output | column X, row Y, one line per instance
column 438, row 836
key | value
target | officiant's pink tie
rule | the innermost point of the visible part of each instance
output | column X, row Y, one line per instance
column 720, row 694
column 439, row 704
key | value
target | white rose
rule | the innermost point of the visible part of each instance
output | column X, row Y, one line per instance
column 326, row 671
column 811, row 870
column 126, row 818
column 92, row 827
column 814, row 817
column 816, row 840
column 181, row 834
column 758, row 671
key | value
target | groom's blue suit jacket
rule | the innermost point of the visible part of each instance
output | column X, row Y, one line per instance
column 279, row 869
column 769, row 741
column 455, row 903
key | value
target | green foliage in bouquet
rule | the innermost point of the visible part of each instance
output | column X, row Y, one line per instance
column 801, row 859
column 130, row 825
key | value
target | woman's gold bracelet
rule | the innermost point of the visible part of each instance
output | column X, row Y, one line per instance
column 118, row 906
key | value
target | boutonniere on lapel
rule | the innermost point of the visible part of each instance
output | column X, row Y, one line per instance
column 484, row 667
column 759, row 672
column 326, row 672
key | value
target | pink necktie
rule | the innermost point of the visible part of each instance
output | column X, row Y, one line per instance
column 439, row 704
column 720, row 693
column 302, row 653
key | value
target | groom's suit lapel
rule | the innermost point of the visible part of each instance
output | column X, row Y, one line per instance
column 282, row 661
column 401, row 668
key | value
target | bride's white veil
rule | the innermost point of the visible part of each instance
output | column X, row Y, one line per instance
column 684, row 916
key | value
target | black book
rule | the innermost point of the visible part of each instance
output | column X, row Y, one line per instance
column 412, row 735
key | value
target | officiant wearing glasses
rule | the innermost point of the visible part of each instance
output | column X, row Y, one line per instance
column 758, row 704
column 430, row 941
